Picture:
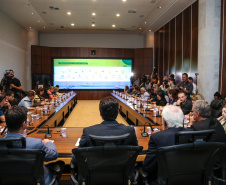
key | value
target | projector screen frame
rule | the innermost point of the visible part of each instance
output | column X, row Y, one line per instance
column 52, row 70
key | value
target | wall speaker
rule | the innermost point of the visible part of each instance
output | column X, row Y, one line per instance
column 93, row 52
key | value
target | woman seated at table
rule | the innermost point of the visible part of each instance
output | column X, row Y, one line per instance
column 39, row 95
column 172, row 97
column 50, row 93
column 222, row 119
column 161, row 101
column 126, row 89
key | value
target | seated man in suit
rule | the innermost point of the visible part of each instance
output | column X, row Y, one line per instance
column 202, row 120
column 172, row 119
column 109, row 127
column 16, row 122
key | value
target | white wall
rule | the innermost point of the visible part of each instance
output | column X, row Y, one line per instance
column 12, row 48
column 93, row 40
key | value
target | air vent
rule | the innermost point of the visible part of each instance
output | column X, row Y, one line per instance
column 53, row 8
column 122, row 29
column 51, row 24
column 152, row 1
column 62, row 26
column 43, row 12
column 141, row 16
column 132, row 11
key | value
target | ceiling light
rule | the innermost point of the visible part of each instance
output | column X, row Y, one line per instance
column 140, row 28
column 124, row 0
column 32, row 13
column 30, row 27
column 72, row 24
column 93, row 25
column 69, row 13
column 159, row 7
column 38, row 20
column 117, row 14
column 113, row 25
column 93, row 13
column 145, row 22
column 149, row 30
column 44, row 27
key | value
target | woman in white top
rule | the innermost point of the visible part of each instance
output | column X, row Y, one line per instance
column 222, row 119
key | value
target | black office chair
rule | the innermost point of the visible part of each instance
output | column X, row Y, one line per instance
column 109, row 164
column 183, row 137
column 20, row 166
column 187, row 164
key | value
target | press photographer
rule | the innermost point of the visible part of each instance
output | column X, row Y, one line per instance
column 9, row 82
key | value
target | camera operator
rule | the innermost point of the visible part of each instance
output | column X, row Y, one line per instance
column 11, row 83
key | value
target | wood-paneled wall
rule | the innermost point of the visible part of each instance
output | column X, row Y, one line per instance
column 41, row 62
column 176, row 45
column 222, row 72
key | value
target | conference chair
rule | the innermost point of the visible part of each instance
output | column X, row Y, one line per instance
column 183, row 137
column 23, row 166
column 107, row 162
column 187, row 164
column 19, row 165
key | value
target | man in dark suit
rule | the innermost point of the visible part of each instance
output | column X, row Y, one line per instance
column 173, row 118
column 109, row 127
column 202, row 120
column 16, row 122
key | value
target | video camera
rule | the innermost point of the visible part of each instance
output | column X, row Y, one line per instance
column 7, row 78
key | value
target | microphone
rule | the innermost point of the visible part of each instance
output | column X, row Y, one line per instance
column 145, row 134
column 48, row 135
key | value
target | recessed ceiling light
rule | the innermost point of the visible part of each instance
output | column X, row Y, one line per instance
column 93, row 13
column 149, row 30
column 159, row 7
column 30, row 27
column 124, row 0
column 117, row 14
column 32, row 13
column 69, row 13
column 44, row 27
column 38, row 20
column 140, row 28
column 72, row 24
column 113, row 25
column 93, row 25
column 145, row 22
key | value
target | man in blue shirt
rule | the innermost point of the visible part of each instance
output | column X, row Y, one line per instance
column 28, row 101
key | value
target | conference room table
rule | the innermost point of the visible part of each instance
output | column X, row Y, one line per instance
column 137, row 115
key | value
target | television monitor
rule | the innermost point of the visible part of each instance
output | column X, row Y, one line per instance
column 92, row 73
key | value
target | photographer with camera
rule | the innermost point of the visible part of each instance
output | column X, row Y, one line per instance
column 9, row 82
column 185, row 85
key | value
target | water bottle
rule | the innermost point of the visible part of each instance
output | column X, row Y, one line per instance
column 154, row 111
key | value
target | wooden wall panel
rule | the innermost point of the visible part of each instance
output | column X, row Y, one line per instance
column 166, row 51
column 41, row 61
column 172, row 38
column 178, row 48
column 160, row 70
column 194, row 50
column 176, row 45
column 222, row 72
column 187, row 40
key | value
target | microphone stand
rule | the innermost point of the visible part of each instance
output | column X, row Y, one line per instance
column 145, row 134
column 48, row 135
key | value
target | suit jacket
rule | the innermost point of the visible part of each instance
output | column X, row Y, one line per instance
column 211, row 123
column 157, row 140
column 108, row 128
column 49, row 148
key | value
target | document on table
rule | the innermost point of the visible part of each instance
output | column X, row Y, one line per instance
column 77, row 143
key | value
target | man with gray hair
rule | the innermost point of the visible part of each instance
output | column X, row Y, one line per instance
column 172, row 120
column 202, row 120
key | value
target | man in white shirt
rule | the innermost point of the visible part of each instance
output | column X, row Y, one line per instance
column 195, row 90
